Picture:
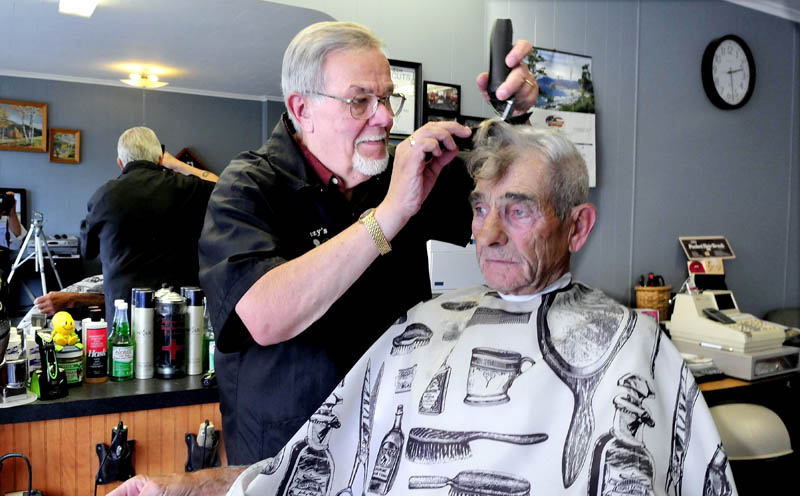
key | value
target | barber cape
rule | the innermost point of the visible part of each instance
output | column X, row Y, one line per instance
column 471, row 394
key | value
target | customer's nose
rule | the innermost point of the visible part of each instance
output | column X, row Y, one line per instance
column 491, row 230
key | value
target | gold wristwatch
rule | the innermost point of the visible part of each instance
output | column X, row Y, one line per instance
column 375, row 232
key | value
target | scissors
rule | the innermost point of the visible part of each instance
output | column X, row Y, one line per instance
column 367, row 415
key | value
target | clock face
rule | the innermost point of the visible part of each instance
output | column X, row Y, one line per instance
column 731, row 72
column 728, row 72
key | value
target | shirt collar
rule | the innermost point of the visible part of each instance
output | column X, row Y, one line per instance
column 325, row 175
column 560, row 283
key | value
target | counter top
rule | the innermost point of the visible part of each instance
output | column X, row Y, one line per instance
column 113, row 397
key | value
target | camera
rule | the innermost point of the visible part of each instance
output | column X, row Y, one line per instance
column 6, row 204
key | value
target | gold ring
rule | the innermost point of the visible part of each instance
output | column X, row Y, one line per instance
column 411, row 140
column 529, row 83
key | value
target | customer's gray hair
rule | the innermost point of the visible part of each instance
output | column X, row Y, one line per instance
column 138, row 143
column 498, row 145
column 304, row 59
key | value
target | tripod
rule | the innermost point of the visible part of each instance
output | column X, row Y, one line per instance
column 39, row 241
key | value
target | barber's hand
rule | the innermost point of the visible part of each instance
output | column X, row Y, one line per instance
column 170, row 162
column 53, row 302
column 520, row 83
column 418, row 161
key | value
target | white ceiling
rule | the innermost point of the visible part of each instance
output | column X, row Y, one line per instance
column 229, row 48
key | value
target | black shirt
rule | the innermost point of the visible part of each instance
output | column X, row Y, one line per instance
column 145, row 225
column 269, row 207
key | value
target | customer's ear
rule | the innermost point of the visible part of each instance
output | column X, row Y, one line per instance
column 582, row 219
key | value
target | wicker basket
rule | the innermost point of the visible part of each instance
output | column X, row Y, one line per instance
column 655, row 297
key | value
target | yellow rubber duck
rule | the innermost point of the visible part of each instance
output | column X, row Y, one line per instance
column 64, row 331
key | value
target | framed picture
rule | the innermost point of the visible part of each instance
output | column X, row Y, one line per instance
column 23, row 126
column 65, row 146
column 188, row 157
column 20, row 195
column 471, row 121
column 407, row 79
column 442, row 99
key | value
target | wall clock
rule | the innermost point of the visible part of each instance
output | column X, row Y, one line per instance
column 729, row 72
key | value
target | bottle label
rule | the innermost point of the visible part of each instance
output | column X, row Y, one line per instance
column 388, row 457
column 96, row 353
column 122, row 361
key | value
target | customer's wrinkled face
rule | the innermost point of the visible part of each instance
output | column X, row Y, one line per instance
column 522, row 246
column 352, row 148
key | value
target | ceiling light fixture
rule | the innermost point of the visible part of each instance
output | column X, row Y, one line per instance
column 83, row 8
column 146, row 80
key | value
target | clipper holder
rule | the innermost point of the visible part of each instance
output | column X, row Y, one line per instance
column 116, row 461
column 202, row 449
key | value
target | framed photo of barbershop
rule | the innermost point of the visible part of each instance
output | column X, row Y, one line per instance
column 407, row 79
column 442, row 101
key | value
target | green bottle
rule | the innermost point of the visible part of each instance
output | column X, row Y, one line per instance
column 121, row 346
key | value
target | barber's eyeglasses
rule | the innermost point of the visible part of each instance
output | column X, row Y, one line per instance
column 365, row 105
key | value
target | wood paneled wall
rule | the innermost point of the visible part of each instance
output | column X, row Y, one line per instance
column 62, row 452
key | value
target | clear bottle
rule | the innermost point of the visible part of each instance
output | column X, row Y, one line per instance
column 209, row 341
column 121, row 346
column 388, row 457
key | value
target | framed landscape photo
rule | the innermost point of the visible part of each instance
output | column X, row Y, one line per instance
column 65, row 146
column 407, row 79
column 23, row 126
column 442, row 98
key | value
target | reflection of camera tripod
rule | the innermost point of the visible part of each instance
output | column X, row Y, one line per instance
column 39, row 241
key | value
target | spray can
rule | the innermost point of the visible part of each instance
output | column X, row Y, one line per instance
column 96, row 343
column 195, row 327
column 142, row 315
column 170, row 336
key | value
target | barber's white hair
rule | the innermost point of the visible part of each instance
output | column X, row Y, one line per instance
column 138, row 143
column 304, row 59
column 499, row 145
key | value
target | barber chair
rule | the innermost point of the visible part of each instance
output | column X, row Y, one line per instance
column 758, row 447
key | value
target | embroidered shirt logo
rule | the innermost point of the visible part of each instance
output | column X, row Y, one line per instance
column 316, row 234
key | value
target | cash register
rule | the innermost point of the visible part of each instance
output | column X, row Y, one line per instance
column 707, row 321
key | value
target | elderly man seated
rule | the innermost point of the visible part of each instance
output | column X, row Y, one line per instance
column 536, row 384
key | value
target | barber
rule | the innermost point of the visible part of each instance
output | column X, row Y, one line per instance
column 315, row 243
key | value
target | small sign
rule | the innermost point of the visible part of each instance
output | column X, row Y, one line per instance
column 704, row 247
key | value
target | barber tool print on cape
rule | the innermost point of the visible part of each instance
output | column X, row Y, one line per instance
column 369, row 398
column 493, row 316
column 474, row 483
column 459, row 306
column 588, row 330
column 621, row 463
column 432, row 400
column 491, row 373
column 716, row 483
column 456, row 318
column 681, row 430
column 310, row 468
column 404, row 379
column 413, row 337
column 654, row 354
column 426, row 445
column 389, row 455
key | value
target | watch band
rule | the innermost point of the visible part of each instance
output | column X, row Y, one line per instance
column 375, row 232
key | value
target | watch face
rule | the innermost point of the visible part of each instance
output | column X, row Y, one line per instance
column 731, row 72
